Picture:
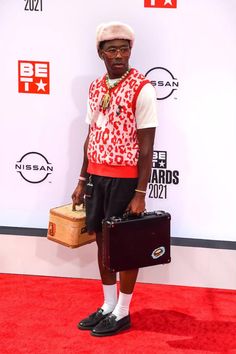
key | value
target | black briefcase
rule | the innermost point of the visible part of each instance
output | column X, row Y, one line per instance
column 134, row 242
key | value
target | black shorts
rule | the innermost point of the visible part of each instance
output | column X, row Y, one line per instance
column 110, row 197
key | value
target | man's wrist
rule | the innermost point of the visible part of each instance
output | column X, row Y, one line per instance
column 140, row 191
column 139, row 194
column 81, row 182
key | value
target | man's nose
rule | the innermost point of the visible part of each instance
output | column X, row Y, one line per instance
column 118, row 53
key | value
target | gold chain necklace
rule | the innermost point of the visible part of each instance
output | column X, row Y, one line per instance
column 105, row 101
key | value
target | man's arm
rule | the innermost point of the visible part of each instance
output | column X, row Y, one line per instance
column 78, row 194
column 146, row 141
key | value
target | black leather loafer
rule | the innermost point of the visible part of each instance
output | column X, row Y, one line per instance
column 109, row 326
column 92, row 320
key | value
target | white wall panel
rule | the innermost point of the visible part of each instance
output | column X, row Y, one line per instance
column 190, row 266
column 195, row 42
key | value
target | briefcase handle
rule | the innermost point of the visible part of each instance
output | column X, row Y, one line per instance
column 128, row 215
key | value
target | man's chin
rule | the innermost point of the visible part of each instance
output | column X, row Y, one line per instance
column 118, row 70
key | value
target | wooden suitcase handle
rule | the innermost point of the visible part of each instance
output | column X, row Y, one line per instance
column 77, row 207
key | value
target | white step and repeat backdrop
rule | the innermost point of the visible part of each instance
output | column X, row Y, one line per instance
column 48, row 59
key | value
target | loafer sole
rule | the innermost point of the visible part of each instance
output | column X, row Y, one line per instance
column 85, row 328
column 111, row 333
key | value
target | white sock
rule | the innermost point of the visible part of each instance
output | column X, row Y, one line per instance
column 122, row 308
column 110, row 298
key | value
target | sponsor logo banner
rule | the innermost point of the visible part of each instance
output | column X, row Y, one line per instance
column 164, row 82
column 33, row 77
column 34, row 167
column 167, row 4
column 33, row 5
column 161, row 177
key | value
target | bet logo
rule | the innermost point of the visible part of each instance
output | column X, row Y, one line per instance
column 33, row 77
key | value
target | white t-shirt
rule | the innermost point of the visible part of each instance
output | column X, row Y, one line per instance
column 146, row 109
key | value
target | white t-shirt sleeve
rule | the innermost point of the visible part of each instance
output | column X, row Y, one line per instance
column 146, row 108
column 88, row 118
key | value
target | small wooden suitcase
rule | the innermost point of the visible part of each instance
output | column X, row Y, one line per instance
column 67, row 226
column 136, row 242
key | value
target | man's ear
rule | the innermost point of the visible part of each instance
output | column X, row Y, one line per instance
column 100, row 53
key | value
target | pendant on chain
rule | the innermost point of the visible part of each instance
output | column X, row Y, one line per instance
column 105, row 101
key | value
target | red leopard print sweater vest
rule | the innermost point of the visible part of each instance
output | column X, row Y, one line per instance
column 113, row 147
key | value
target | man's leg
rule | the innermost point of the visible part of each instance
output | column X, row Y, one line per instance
column 127, row 280
column 108, row 277
column 108, row 281
column 109, row 290
column 118, row 193
column 119, row 319
column 127, row 283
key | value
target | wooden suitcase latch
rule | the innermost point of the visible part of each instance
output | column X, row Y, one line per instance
column 51, row 228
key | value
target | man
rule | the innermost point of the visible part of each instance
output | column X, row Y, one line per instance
column 117, row 162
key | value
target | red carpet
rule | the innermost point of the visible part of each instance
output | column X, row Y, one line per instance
column 39, row 315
